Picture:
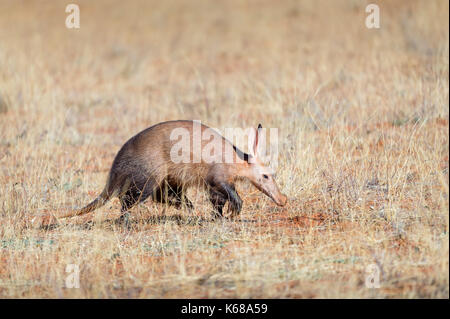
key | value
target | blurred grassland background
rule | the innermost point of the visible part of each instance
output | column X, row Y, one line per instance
column 363, row 130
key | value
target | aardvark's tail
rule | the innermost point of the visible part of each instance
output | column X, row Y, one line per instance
column 96, row 203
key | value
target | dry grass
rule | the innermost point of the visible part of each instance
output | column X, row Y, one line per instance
column 363, row 117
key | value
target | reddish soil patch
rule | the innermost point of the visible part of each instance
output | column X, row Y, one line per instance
column 441, row 122
column 285, row 219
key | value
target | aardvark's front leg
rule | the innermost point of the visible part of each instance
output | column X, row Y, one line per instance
column 230, row 194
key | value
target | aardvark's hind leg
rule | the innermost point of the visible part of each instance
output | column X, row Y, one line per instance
column 173, row 195
column 135, row 194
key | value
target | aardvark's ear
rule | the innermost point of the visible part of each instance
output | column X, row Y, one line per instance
column 256, row 140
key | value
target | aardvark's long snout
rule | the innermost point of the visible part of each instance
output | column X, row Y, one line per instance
column 280, row 200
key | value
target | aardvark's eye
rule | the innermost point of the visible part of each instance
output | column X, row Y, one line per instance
column 265, row 176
